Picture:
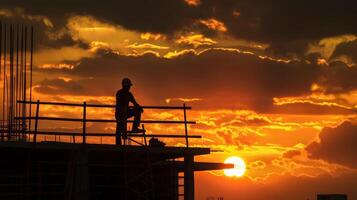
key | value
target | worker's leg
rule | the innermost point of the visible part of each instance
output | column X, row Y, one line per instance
column 121, row 128
column 136, row 112
column 118, row 133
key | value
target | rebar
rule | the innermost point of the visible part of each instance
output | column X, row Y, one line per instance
column 15, row 78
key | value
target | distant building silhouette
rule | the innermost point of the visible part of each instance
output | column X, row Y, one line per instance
column 331, row 197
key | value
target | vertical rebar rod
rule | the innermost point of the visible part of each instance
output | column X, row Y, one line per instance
column 24, row 123
column 4, row 81
column 1, row 124
column 21, row 78
column 11, row 84
column 31, row 56
column 17, row 81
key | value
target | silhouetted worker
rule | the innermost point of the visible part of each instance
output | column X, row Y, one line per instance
column 123, row 112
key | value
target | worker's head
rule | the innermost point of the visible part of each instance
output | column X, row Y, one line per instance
column 126, row 83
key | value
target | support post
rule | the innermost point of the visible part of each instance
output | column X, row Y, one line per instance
column 84, row 121
column 145, row 143
column 189, row 181
column 185, row 121
column 36, row 121
column 81, row 177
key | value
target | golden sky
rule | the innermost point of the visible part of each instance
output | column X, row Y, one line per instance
column 273, row 82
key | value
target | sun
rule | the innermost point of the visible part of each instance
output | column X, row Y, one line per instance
column 239, row 167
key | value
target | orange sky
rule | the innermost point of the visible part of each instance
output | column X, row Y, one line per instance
column 281, row 97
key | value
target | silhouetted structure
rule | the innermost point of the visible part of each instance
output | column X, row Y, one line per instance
column 16, row 52
column 65, row 166
column 331, row 197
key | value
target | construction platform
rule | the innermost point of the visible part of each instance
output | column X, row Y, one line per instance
column 52, row 170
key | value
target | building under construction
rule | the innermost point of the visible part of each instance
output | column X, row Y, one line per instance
column 65, row 165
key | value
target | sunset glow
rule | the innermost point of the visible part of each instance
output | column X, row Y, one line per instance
column 272, row 84
column 239, row 167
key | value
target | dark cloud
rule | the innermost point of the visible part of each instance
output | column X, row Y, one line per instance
column 42, row 32
column 291, row 154
column 288, row 26
column 336, row 145
column 338, row 77
column 346, row 49
column 53, row 86
column 311, row 108
column 222, row 78
column 153, row 15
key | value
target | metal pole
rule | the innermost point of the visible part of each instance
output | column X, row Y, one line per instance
column 21, row 106
column 17, row 81
column 36, row 121
column 11, row 86
column 4, row 84
column 185, row 122
column 24, row 88
column 31, row 51
column 0, row 75
column 84, row 122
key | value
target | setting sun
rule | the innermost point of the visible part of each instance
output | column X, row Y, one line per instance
column 239, row 167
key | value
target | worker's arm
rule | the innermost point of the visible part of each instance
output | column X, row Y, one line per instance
column 135, row 103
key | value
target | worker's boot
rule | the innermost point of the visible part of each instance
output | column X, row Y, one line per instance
column 136, row 129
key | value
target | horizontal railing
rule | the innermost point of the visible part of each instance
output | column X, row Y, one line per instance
column 84, row 120
column 109, row 120
column 105, row 105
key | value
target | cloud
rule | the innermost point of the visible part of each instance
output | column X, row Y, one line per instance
column 336, row 145
column 214, row 24
column 146, row 46
column 291, row 154
column 221, row 77
column 195, row 40
column 346, row 49
column 157, row 16
column 200, row 76
column 193, row 2
column 279, row 23
column 338, row 78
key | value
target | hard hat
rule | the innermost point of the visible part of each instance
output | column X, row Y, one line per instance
column 126, row 82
